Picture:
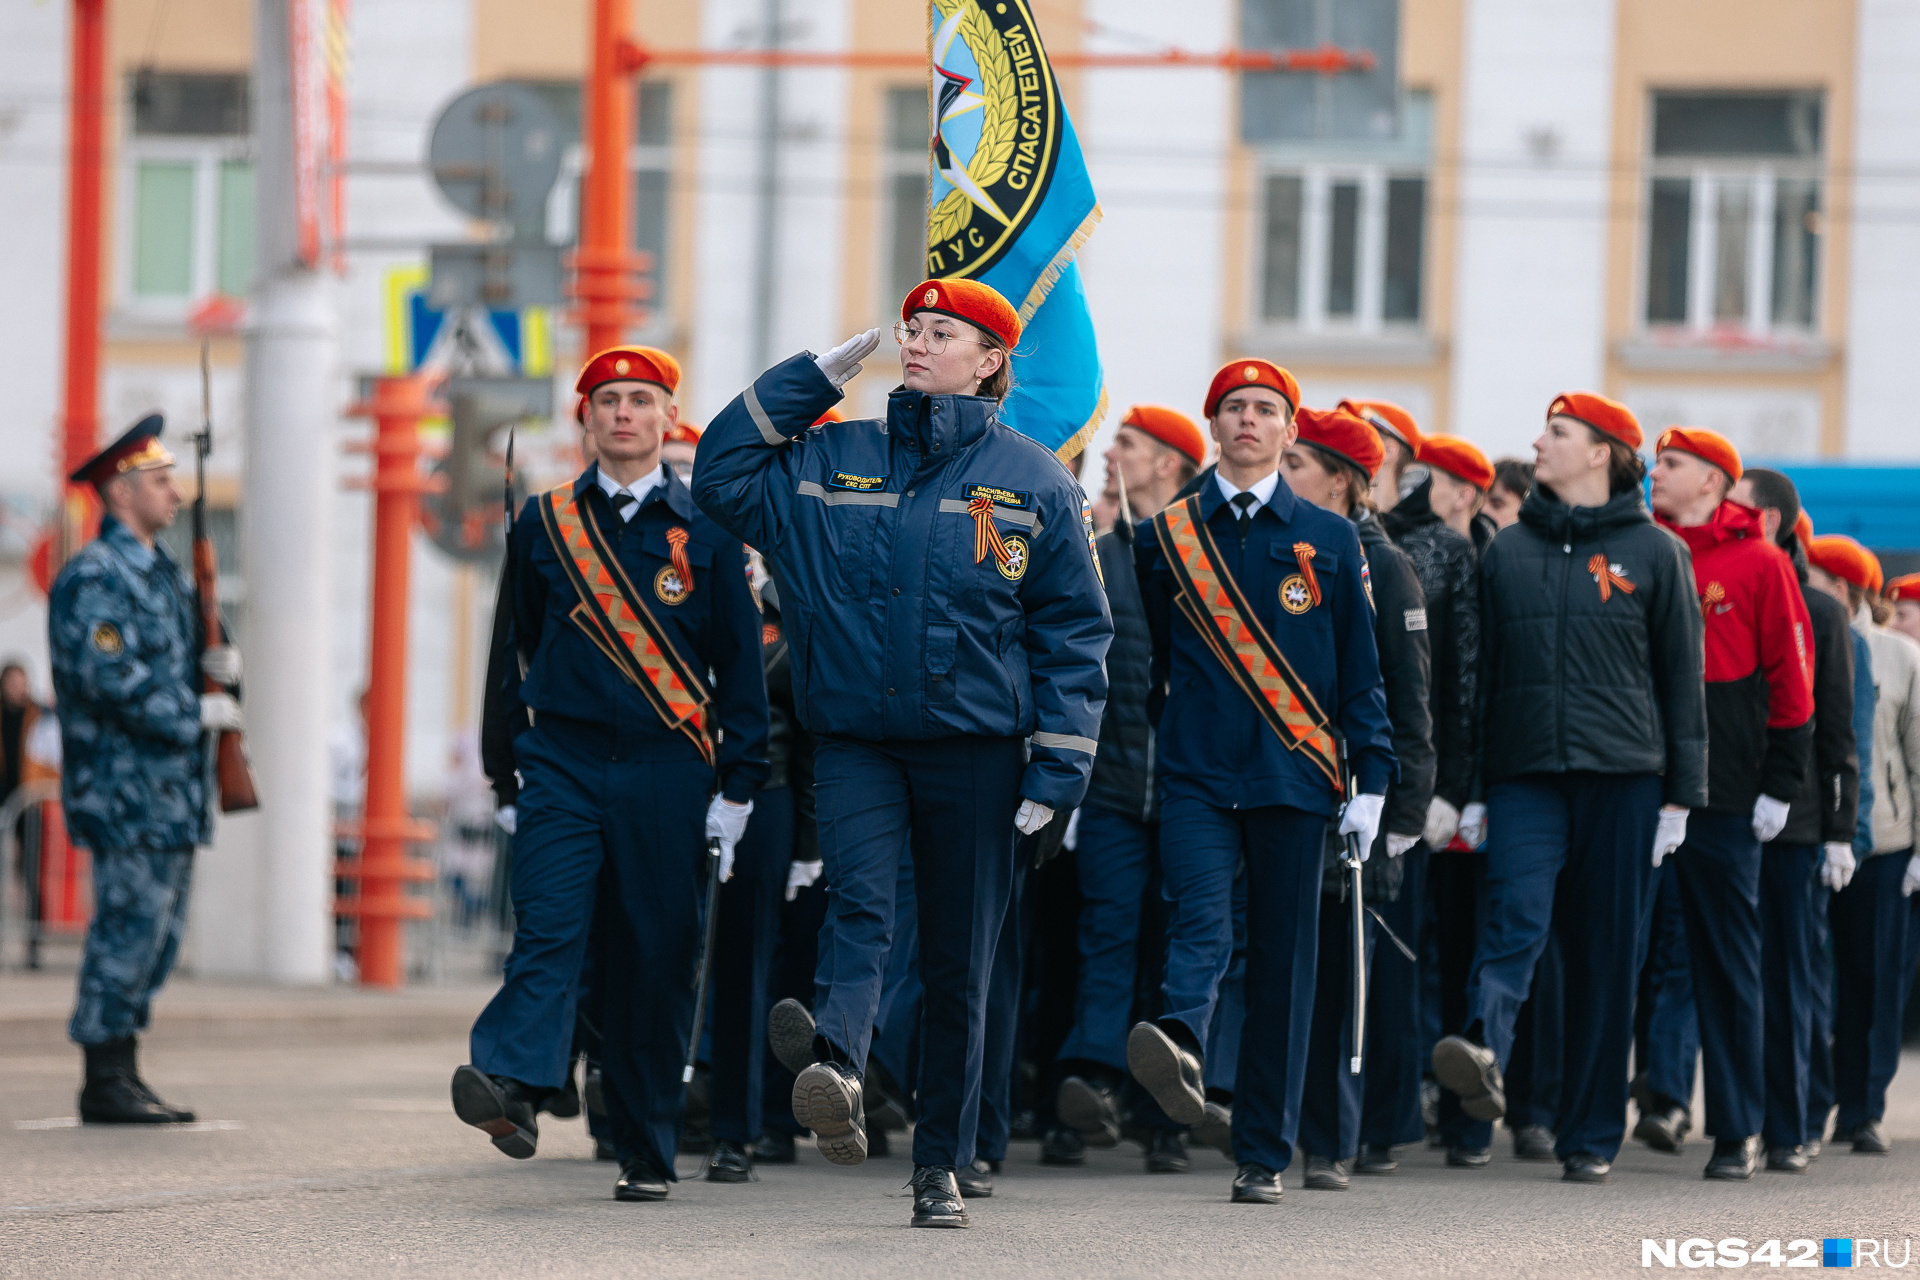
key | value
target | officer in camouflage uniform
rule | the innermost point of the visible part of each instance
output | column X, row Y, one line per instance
column 123, row 635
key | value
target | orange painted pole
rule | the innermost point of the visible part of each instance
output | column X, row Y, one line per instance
column 86, row 163
column 609, row 278
column 384, row 869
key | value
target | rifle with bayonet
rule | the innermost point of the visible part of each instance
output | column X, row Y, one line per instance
column 232, row 774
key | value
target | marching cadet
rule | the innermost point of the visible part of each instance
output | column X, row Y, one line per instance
column 123, row 631
column 1823, row 814
column 1759, row 690
column 1399, row 442
column 948, row 632
column 1331, row 465
column 1270, row 655
column 626, row 598
column 1903, row 593
column 1595, row 749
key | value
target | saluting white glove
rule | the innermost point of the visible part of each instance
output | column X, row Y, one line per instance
column 219, row 711
column 841, row 363
column 1397, row 845
column 1362, row 817
column 1911, row 881
column 1769, row 817
column 727, row 822
column 801, row 875
column 1839, row 866
column 1443, row 820
column 1031, row 817
column 1670, row 835
column 221, row 664
column 1473, row 826
column 507, row 818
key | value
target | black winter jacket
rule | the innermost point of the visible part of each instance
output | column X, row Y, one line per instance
column 1123, row 769
column 1594, row 652
column 1400, row 628
column 1447, row 566
column 1827, row 805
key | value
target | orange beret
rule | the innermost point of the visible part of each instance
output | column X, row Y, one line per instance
column 1803, row 527
column 681, row 433
column 969, row 300
column 1608, row 417
column 1388, row 417
column 1845, row 559
column 1170, row 427
column 1252, row 373
column 831, row 415
column 1459, row 458
column 1339, row 432
column 629, row 364
column 1708, row 446
column 1905, row 587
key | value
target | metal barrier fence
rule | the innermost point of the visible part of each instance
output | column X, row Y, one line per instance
column 470, row 929
column 46, row 884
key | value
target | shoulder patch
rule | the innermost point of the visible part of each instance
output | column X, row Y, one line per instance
column 1018, row 498
column 1416, row 619
column 106, row 639
column 859, row 484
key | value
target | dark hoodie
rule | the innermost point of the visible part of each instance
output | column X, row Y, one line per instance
column 1592, row 655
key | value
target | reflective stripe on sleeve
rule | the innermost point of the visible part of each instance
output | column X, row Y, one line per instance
column 1066, row 740
column 761, row 420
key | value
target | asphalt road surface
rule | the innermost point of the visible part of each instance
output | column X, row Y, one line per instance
column 335, row 1157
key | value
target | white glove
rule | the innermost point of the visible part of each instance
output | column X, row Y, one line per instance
column 801, row 875
column 1442, row 821
column 220, row 711
column 1473, row 825
column 507, row 818
column 727, row 822
column 1397, row 845
column 221, row 664
column 1671, row 834
column 1839, row 866
column 1911, row 881
column 841, row 363
column 1769, row 817
column 1031, row 817
column 1362, row 817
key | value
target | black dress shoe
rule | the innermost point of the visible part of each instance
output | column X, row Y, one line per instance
column 1584, row 1166
column 1256, row 1184
column 500, row 1107
column 563, row 1103
column 1325, row 1175
column 730, row 1163
column 603, row 1149
column 1090, row 1107
column 1533, row 1142
column 1167, row 1152
column 1376, row 1161
column 827, row 1100
column 1063, row 1146
column 1734, row 1159
column 1871, row 1140
column 1787, row 1159
column 1665, row 1127
column 976, row 1180
column 790, row 1035
column 113, row 1093
column 639, row 1180
column 1469, row 1157
column 1171, row 1073
column 936, row 1197
column 774, row 1147
column 1216, row 1128
column 1471, row 1071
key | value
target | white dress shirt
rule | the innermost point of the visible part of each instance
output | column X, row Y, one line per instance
column 1262, row 490
column 639, row 489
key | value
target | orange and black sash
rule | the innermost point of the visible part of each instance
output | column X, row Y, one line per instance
column 1213, row 602
column 618, row 622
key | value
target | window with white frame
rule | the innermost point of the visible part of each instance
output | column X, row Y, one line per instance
column 188, row 191
column 1342, row 247
column 904, row 183
column 1734, row 216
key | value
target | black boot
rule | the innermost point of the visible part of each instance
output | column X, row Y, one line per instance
column 500, row 1107
column 180, row 1115
column 936, row 1197
column 112, row 1092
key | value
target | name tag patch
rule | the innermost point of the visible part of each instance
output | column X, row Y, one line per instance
column 1416, row 619
column 859, row 484
column 1001, row 497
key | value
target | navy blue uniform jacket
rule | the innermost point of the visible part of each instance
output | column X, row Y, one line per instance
column 898, row 633
column 717, row 627
column 1213, row 744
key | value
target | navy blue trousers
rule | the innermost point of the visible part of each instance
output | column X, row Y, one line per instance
column 1222, row 1059
column 1458, row 880
column 1592, row 836
column 1719, row 869
column 1116, row 855
column 1787, row 874
column 745, row 937
column 952, row 802
column 1330, row 1103
column 1669, row 1051
column 794, row 967
column 895, row 1050
column 1873, row 958
column 1535, row 1071
column 1390, row 1114
column 579, row 811
column 1004, row 992
column 1820, row 1012
column 1200, row 848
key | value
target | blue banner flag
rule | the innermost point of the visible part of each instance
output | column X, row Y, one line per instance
column 1010, row 204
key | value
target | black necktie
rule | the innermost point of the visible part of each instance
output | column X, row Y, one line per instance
column 623, row 503
column 1243, row 504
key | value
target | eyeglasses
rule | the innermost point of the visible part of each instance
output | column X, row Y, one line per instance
column 936, row 340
